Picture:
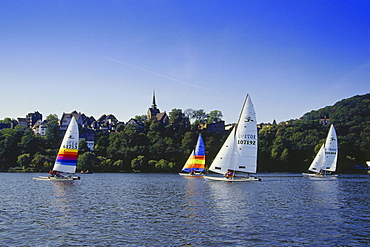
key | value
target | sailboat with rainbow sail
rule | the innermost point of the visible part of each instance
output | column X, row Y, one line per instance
column 195, row 165
column 66, row 161
column 237, row 158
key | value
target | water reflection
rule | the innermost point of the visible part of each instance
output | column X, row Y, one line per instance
column 61, row 204
column 325, row 205
column 233, row 212
column 193, row 202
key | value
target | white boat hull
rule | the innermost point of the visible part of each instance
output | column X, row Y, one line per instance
column 197, row 175
column 57, row 178
column 319, row 175
column 233, row 179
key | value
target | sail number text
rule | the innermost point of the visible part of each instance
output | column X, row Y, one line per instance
column 71, row 145
column 251, row 139
column 246, row 142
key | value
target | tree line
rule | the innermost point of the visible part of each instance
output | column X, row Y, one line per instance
column 289, row 146
column 157, row 148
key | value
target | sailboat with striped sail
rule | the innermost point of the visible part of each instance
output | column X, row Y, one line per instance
column 325, row 162
column 195, row 165
column 237, row 158
column 66, row 161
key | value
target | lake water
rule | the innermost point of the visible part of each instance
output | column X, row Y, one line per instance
column 170, row 210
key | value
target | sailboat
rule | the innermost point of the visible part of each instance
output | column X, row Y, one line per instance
column 195, row 165
column 66, row 161
column 237, row 158
column 325, row 162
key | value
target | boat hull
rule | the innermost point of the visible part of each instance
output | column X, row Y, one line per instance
column 233, row 179
column 57, row 178
column 319, row 175
column 191, row 175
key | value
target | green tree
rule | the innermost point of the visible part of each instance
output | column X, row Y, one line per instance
column 139, row 163
column 214, row 116
column 9, row 151
column 41, row 162
column 141, row 118
column 53, row 134
column 87, row 161
column 24, row 161
column 164, row 166
column 52, row 117
column 82, row 146
column 200, row 116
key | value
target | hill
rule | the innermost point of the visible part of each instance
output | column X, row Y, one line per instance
column 292, row 146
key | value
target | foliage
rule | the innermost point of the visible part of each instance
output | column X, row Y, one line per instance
column 214, row 117
column 288, row 146
column 292, row 146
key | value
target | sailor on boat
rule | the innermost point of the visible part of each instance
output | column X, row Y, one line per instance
column 229, row 174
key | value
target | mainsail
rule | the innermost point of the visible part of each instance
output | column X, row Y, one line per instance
column 67, row 156
column 197, row 160
column 326, row 158
column 239, row 152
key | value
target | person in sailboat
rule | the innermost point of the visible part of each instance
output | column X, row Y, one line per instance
column 229, row 174
column 55, row 174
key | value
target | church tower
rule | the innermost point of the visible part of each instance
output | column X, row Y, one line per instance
column 153, row 110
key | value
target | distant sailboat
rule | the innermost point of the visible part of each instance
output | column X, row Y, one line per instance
column 66, row 161
column 325, row 162
column 237, row 158
column 195, row 165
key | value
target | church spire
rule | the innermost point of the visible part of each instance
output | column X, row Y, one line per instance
column 154, row 106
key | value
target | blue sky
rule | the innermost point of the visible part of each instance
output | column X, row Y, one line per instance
column 106, row 57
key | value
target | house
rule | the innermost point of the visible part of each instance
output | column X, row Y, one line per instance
column 66, row 119
column 32, row 118
column 107, row 123
column 324, row 121
column 22, row 122
column 134, row 122
column 218, row 127
column 39, row 128
column 89, row 138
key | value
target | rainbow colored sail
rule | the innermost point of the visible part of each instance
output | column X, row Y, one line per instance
column 66, row 160
column 197, row 160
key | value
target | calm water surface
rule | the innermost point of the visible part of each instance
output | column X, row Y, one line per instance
column 171, row 210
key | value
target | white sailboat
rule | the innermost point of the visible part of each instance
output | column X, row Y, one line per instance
column 237, row 158
column 325, row 162
column 66, row 161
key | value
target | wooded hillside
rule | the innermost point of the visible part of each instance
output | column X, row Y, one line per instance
column 289, row 146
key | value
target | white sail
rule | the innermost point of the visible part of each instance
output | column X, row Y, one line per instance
column 67, row 156
column 246, row 139
column 318, row 161
column 222, row 161
column 326, row 158
column 331, row 151
column 239, row 152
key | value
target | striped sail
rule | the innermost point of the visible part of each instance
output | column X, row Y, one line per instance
column 197, row 160
column 239, row 152
column 66, row 160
